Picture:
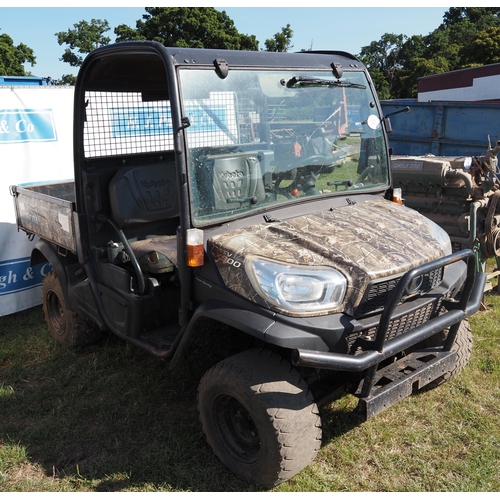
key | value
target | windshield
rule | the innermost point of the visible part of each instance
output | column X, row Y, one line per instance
column 261, row 139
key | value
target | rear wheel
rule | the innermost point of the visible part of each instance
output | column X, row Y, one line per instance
column 259, row 417
column 65, row 325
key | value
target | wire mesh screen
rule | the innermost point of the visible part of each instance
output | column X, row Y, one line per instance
column 119, row 123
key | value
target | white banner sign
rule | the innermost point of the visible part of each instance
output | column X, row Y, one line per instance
column 36, row 145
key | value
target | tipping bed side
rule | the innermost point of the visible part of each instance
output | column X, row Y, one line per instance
column 46, row 210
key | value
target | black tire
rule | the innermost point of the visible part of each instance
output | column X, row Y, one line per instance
column 463, row 346
column 259, row 417
column 64, row 325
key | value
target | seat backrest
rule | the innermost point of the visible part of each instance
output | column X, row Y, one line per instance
column 237, row 180
column 144, row 193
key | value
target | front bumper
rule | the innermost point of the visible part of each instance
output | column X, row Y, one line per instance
column 381, row 347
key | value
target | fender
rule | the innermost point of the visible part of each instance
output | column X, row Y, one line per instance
column 64, row 266
column 254, row 323
column 45, row 252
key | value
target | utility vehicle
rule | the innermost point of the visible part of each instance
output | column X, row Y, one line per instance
column 231, row 187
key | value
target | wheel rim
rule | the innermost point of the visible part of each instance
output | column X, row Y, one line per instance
column 236, row 429
column 55, row 313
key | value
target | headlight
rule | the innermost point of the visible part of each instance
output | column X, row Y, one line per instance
column 442, row 237
column 296, row 288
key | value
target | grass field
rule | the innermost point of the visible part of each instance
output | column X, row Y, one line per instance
column 111, row 418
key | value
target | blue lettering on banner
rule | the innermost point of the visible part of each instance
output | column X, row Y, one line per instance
column 17, row 275
column 27, row 125
column 147, row 121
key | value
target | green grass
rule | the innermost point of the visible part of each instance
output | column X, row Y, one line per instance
column 111, row 418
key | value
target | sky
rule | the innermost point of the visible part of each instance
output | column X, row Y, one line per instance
column 317, row 27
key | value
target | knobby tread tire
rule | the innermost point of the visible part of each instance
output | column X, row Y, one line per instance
column 280, row 405
column 65, row 325
column 463, row 347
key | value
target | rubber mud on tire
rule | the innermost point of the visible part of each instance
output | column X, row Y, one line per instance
column 64, row 325
column 259, row 417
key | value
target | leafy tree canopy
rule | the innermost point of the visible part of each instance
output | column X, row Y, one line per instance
column 65, row 80
column 12, row 57
column 84, row 38
column 200, row 27
column 468, row 36
column 482, row 17
column 483, row 48
column 384, row 55
column 281, row 42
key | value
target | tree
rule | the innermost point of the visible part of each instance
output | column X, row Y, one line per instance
column 468, row 36
column 458, row 38
column 12, row 58
column 65, row 80
column 481, row 17
column 200, row 27
column 483, row 49
column 416, row 62
column 383, row 58
column 407, row 85
column 85, row 37
column 381, row 83
column 443, row 42
column 281, row 42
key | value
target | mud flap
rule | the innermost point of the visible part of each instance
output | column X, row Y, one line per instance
column 401, row 378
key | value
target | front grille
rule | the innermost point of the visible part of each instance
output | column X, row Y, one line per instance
column 377, row 293
column 400, row 325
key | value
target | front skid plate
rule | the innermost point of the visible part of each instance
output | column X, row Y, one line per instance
column 401, row 378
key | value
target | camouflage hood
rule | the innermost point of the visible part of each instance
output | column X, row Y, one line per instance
column 364, row 241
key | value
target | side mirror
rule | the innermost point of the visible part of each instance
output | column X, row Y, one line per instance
column 387, row 122
column 387, row 125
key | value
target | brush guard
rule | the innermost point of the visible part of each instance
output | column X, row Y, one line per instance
column 416, row 369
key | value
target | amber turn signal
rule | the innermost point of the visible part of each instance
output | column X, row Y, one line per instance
column 397, row 196
column 195, row 250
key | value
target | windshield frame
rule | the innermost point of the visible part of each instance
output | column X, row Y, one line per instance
column 248, row 152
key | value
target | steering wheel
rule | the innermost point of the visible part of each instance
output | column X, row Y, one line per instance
column 314, row 161
column 304, row 176
column 290, row 188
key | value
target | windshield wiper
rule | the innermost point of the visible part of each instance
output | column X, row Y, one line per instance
column 305, row 81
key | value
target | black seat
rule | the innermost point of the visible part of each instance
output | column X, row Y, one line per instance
column 144, row 194
column 237, row 180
